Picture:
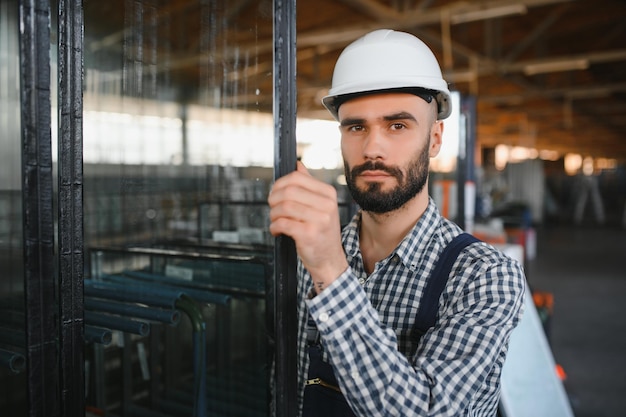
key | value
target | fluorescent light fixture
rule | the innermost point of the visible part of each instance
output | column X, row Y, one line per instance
column 556, row 66
column 490, row 13
column 461, row 76
column 588, row 93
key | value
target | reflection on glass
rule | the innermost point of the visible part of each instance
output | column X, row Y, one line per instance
column 178, row 159
column 12, row 335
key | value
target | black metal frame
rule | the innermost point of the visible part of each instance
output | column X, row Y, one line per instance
column 285, row 305
column 38, row 223
column 54, row 327
column 70, row 210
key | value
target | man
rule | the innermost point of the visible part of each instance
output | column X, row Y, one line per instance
column 362, row 287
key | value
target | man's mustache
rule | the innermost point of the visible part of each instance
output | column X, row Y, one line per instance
column 375, row 166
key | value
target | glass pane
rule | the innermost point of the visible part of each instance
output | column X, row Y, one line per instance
column 12, row 336
column 178, row 161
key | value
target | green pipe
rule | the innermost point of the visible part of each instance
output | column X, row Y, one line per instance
column 188, row 306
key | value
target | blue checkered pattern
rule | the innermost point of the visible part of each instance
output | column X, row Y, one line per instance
column 365, row 324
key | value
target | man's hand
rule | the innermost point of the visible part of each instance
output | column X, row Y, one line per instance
column 305, row 209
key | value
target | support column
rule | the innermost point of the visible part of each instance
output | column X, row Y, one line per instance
column 285, row 283
column 70, row 210
column 38, row 224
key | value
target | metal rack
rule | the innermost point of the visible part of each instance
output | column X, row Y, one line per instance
column 142, row 292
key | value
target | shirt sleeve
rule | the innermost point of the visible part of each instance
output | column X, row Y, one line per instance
column 455, row 358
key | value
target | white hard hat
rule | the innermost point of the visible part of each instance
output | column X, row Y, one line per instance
column 387, row 60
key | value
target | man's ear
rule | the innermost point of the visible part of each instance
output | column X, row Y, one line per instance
column 436, row 136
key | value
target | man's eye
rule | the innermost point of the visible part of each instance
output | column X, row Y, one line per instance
column 397, row 126
column 356, row 128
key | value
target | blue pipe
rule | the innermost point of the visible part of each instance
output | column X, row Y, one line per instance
column 204, row 296
column 117, row 323
column 14, row 361
column 133, row 310
column 99, row 335
column 162, row 297
column 150, row 296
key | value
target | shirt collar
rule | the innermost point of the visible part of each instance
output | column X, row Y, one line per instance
column 411, row 249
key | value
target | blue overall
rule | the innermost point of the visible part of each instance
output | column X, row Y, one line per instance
column 322, row 396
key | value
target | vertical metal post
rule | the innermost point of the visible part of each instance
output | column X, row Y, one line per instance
column 285, row 317
column 70, row 210
column 465, row 162
column 468, row 105
column 461, row 171
column 39, row 279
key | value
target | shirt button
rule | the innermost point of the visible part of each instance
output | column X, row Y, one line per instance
column 323, row 317
column 361, row 281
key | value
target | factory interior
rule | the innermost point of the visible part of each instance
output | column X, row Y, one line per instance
column 139, row 140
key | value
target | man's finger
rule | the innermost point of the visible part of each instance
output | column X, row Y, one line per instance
column 301, row 168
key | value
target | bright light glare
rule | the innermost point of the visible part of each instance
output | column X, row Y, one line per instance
column 572, row 163
column 548, row 155
column 520, row 153
column 130, row 139
column 232, row 138
column 502, row 157
column 514, row 154
column 214, row 136
column 606, row 163
column 588, row 166
column 320, row 141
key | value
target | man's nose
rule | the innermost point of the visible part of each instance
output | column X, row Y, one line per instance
column 374, row 145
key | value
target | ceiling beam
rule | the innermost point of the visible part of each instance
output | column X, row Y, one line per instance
column 373, row 8
column 590, row 58
column 577, row 93
column 339, row 38
column 407, row 19
column 536, row 33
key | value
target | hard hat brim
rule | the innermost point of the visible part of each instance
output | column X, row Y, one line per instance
column 333, row 102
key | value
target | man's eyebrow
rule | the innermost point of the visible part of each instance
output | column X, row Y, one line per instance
column 403, row 115
column 350, row 122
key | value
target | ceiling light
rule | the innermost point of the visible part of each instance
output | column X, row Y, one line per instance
column 491, row 13
column 461, row 76
column 588, row 93
column 556, row 66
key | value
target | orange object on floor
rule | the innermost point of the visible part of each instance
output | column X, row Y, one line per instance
column 560, row 372
column 543, row 300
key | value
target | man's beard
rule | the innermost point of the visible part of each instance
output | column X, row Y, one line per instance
column 373, row 199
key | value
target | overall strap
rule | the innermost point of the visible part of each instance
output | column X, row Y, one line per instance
column 427, row 314
column 319, row 400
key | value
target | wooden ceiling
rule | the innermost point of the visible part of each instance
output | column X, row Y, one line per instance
column 496, row 59
column 581, row 111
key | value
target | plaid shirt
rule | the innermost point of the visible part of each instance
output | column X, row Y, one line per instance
column 365, row 324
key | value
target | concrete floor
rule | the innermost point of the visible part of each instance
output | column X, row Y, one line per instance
column 584, row 267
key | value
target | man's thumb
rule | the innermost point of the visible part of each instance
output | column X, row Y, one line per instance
column 301, row 168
